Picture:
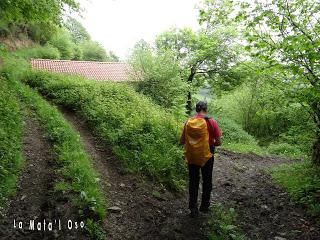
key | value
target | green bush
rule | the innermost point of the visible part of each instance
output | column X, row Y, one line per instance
column 302, row 181
column 142, row 135
column 79, row 177
column 160, row 79
column 63, row 42
column 11, row 128
column 270, row 116
column 93, row 51
column 44, row 52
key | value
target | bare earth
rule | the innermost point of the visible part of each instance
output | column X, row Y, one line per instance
column 35, row 199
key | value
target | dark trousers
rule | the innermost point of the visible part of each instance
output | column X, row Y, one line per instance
column 194, row 178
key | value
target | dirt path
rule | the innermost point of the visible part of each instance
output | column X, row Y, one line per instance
column 265, row 211
column 143, row 215
column 34, row 199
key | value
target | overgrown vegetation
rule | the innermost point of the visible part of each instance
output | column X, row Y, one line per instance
column 222, row 224
column 142, row 134
column 302, row 181
column 11, row 128
column 159, row 78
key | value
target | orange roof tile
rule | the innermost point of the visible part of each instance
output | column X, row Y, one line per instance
column 113, row 71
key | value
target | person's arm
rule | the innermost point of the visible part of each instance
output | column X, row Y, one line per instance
column 216, row 133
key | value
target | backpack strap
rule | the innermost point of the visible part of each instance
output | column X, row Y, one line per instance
column 207, row 120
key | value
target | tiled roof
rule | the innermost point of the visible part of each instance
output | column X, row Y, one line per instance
column 114, row 71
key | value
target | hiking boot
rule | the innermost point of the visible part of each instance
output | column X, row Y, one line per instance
column 194, row 212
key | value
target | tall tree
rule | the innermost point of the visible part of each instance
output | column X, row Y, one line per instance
column 286, row 34
column 77, row 30
column 206, row 53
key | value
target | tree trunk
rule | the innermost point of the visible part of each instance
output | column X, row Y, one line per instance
column 189, row 104
column 189, row 98
column 316, row 151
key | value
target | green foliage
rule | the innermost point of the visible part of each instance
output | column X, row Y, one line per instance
column 41, row 32
column 77, row 169
column 234, row 138
column 77, row 30
column 79, row 177
column 37, row 19
column 159, row 78
column 11, row 128
column 285, row 34
column 13, row 67
column 284, row 148
column 203, row 53
column 141, row 134
column 95, row 230
column 63, row 42
column 222, row 224
column 45, row 52
column 44, row 11
column 268, row 114
column 302, row 181
column 232, row 132
column 94, row 51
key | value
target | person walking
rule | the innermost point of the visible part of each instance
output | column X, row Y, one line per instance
column 200, row 136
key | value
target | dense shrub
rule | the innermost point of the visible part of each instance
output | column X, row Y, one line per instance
column 63, row 42
column 160, row 79
column 44, row 52
column 142, row 134
column 93, row 51
column 270, row 116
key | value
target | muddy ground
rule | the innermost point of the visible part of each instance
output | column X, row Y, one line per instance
column 264, row 210
column 35, row 199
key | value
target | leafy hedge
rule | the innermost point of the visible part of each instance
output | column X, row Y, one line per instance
column 141, row 134
column 11, row 125
column 46, row 52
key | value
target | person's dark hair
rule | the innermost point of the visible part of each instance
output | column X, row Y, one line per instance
column 201, row 105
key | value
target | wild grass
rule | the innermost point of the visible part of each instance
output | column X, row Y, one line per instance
column 302, row 181
column 11, row 132
column 46, row 52
column 141, row 134
column 222, row 224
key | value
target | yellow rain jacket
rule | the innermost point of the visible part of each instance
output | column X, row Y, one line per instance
column 197, row 150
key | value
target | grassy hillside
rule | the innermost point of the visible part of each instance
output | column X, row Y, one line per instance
column 141, row 133
column 11, row 128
